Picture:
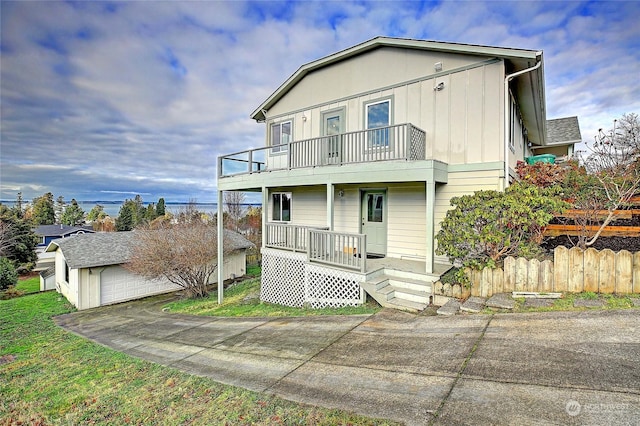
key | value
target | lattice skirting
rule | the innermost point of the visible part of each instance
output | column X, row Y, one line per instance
column 288, row 279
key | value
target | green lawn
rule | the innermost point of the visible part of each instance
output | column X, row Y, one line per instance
column 50, row 376
column 29, row 285
column 243, row 299
column 611, row 301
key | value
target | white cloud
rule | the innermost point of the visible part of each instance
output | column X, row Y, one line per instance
column 142, row 97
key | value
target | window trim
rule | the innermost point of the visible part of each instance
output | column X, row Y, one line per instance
column 273, row 207
column 281, row 148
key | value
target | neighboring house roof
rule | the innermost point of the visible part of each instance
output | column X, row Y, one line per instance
column 529, row 85
column 49, row 272
column 60, row 230
column 563, row 131
column 114, row 248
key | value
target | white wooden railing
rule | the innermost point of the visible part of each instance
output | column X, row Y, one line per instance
column 338, row 249
column 285, row 236
column 398, row 142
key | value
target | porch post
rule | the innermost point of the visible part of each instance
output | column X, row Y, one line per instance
column 330, row 195
column 220, row 247
column 430, row 225
column 265, row 214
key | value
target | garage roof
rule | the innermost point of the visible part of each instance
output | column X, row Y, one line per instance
column 113, row 248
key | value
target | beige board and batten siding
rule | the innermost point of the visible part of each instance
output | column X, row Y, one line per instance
column 463, row 122
column 308, row 205
column 463, row 183
column 406, row 226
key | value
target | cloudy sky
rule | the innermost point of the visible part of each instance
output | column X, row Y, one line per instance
column 106, row 100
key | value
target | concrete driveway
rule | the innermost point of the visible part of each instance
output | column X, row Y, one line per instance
column 542, row 368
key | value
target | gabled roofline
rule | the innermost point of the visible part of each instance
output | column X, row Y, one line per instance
column 377, row 42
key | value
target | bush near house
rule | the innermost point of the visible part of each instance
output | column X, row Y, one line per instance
column 484, row 228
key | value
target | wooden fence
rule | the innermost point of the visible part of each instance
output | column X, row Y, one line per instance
column 572, row 270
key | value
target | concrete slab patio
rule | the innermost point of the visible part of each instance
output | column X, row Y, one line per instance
column 542, row 368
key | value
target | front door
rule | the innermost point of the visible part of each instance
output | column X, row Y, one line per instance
column 332, row 127
column 374, row 221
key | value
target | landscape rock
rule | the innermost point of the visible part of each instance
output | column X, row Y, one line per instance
column 588, row 303
column 450, row 308
column 501, row 301
column 473, row 304
column 538, row 303
column 636, row 302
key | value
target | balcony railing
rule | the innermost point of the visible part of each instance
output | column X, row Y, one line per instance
column 338, row 249
column 398, row 142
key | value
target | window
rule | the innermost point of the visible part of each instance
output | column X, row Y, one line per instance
column 280, row 136
column 377, row 115
column 66, row 272
column 281, row 207
column 374, row 207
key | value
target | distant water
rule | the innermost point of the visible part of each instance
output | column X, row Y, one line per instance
column 112, row 208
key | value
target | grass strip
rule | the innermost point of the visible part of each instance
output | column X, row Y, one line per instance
column 243, row 300
column 50, row 376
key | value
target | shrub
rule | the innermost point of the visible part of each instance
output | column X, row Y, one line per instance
column 8, row 274
column 484, row 228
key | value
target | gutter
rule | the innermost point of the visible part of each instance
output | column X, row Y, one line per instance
column 507, row 109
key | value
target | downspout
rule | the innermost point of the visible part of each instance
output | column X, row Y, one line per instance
column 507, row 115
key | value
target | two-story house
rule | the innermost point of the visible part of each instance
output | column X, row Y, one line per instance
column 363, row 151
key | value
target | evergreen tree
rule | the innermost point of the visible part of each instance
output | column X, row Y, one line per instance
column 126, row 216
column 17, row 239
column 18, row 205
column 59, row 208
column 73, row 215
column 150, row 213
column 160, row 208
column 43, row 212
column 96, row 213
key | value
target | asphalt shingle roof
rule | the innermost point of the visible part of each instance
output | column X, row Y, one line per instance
column 114, row 248
column 563, row 131
column 53, row 230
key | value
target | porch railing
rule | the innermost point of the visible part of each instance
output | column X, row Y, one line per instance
column 398, row 142
column 338, row 249
column 287, row 237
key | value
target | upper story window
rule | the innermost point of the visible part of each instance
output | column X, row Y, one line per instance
column 281, row 207
column 378, row 116
column 280, row 136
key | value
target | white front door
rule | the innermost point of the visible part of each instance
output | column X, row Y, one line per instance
column 374, row 221
column 333, row 127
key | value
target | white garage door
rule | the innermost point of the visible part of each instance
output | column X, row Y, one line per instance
column 119, row 285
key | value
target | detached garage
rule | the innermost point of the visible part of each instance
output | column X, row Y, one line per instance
column 89, row 268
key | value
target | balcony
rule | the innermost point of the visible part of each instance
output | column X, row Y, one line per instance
column 398, row 142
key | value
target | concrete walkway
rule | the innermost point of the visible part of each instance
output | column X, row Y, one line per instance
column 542, row 368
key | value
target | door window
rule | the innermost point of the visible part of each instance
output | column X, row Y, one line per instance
column 374, row 207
